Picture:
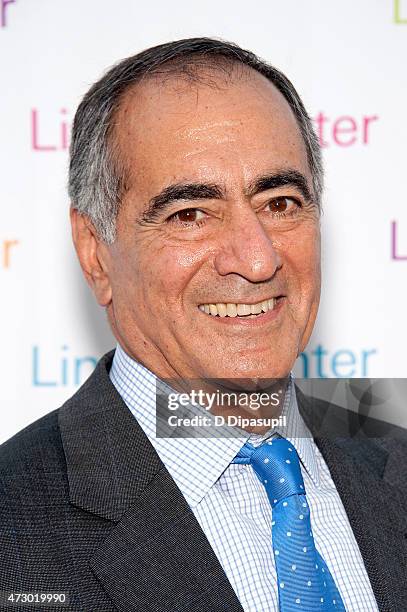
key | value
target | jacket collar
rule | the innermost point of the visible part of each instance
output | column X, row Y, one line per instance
column 156, row 557
column 109, row 459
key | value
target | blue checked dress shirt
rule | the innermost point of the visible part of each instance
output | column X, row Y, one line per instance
column 231, row 504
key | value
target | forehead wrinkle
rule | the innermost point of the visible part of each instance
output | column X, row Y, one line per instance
column 211, row 132
column 227, row 123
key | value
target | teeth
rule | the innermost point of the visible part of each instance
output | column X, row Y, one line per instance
column 222, row 308
column 256, row 308
column 231, row 310
column 243, row 309
column 237, row 310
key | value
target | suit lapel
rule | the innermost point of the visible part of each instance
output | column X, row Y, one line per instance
column 156, row 556
column 362, row 469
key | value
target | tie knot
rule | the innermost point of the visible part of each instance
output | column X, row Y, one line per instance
column 277, row 466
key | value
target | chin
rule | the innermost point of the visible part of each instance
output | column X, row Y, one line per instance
column 251, row 373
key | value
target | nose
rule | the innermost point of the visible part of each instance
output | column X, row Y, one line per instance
column 247, row 249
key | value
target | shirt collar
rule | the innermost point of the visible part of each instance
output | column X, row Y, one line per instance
column 300, row 437
column 197, row 463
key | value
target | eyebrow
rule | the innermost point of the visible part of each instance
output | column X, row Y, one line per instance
column 202, row 191
column 286, row 178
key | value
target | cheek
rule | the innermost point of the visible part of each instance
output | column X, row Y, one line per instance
column 165, row 275
column 301, row 256
column 308, row 267
column 309, row 275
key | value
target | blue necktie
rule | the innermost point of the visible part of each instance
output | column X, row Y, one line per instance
column 304, row 580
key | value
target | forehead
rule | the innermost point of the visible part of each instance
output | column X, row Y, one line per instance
column 215, row 130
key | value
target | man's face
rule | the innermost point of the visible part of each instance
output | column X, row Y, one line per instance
column 216, row 213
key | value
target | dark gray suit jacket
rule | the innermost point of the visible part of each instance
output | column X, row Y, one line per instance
column 88, row 508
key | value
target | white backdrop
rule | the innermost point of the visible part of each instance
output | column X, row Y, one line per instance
column 346, row 59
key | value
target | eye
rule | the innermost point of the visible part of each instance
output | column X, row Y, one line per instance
column 283, row 204
column 187, row 215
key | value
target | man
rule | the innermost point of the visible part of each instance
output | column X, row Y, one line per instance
column 195, row 181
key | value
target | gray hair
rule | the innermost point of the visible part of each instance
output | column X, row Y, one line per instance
column 97, row 176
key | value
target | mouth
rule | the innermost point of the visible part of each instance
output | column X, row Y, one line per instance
column 242, row 312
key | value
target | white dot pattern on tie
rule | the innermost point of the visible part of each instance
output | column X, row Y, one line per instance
column 304, row 580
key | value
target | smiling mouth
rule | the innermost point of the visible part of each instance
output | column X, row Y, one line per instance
column 233, row 310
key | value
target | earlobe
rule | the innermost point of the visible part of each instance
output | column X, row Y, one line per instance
column 93, row 256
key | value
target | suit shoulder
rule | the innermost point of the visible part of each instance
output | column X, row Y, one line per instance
column 326, row 418
column 32, row 464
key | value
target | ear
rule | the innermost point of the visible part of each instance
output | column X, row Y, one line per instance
column 93, row 256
